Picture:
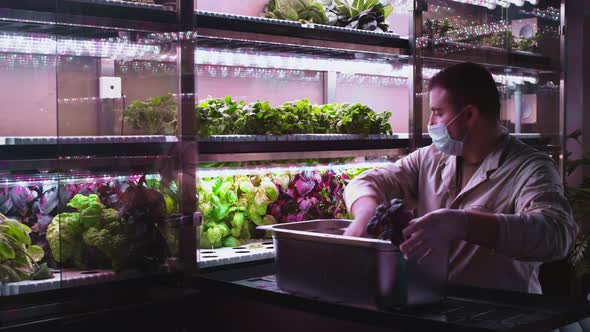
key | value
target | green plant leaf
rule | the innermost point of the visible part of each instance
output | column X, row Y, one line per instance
column 35, row 252
column 8, row 274
column 6, row 250
column 387, row 10
column 15, row 232
column 42, row 272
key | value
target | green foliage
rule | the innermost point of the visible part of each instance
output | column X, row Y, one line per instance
column 266, row 199
column 353, row 14
column 502, row 39
column 226, row 203
column 155, row 116
column 18, row 257
column 218, row 115
column 358, row 118
column 437, row 27
column 529, row 44
column 64, row 235
column 362, row 14
column 92, row 225
column 579, row 198
column 307, row 11
column 505, row 39
column 226, row 117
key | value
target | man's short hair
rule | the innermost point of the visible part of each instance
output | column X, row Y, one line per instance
column 469, row 84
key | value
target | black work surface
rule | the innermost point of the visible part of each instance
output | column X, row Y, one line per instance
column 252, row 288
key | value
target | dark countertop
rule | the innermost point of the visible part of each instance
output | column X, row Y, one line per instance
column 245, row 297
column 464, row 308
column 152, row 303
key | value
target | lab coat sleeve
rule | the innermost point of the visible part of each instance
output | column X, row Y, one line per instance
column 542, row 228
column 398, row 180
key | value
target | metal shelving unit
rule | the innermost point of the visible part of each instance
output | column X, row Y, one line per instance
column 185, row 31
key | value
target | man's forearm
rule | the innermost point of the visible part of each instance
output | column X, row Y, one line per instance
column 482, row 229
column 364, row 208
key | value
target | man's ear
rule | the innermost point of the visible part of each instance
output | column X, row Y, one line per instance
column 473, row 114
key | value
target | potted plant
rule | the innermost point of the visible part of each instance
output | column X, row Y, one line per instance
column 155, row 116
column 579, row 197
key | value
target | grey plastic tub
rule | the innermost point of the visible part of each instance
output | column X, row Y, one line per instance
column 314, row 259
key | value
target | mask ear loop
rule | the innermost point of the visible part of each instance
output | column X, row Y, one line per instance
column 457, row 116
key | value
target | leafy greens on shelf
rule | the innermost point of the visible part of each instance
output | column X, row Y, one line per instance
column 136, row 236
column 89, row 237
column 233, row 206
column 354, row 14
column 308, row 11
column 155, row 116
column 143, row 212
column 18, row 256
column 362, row 14
column 227, row 117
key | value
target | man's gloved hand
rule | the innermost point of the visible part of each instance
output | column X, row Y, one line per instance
column 433, row 230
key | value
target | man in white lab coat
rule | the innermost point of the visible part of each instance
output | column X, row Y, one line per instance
column 498, row 203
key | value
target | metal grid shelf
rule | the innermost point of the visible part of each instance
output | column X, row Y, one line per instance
column 253, row 251
column 212, row 20
column 492, row 56
column 85, row 147
column 274, row 47
column 85, row 18
column 64, row 279
column 299, row 143
column 129, row 4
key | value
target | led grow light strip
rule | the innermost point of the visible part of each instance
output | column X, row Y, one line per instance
column 514, row 79
column 55, row 180
column 372, row 80
column 489, row 4
column 550, row 13
column 209, row 173
column 465, row 33
column 137, row 4
column 10, row 43
column 258, row 73
column 428, row 73
column 492, row 4
column 226, row 58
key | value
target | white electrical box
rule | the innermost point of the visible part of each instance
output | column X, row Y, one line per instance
column 110, row 87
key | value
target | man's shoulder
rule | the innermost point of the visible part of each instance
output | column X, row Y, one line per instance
column 518, row 152
column 429, row 151
column 427, row 155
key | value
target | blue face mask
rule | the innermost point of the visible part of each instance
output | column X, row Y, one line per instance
column 443, row 141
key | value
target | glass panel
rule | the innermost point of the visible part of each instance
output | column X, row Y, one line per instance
column 28, row 62
column 90, row 141
column 251, row 71
column 381, row 93
column 325, row 121
column 118, row 133
column 533, row 107
column 519, row 42
column 464, row 31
